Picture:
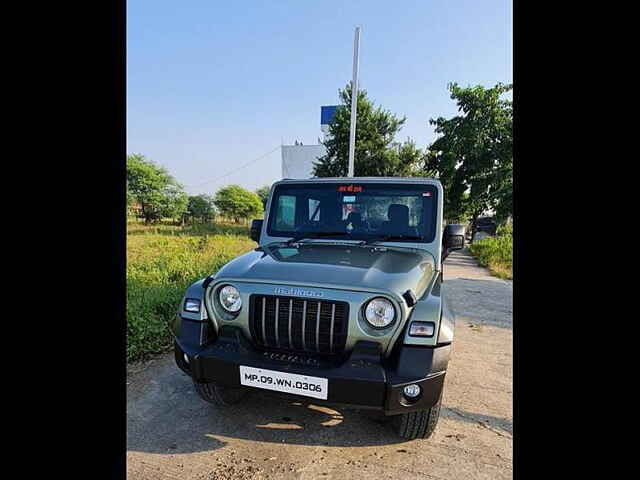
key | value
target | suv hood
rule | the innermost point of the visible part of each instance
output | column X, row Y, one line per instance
column 341, row 266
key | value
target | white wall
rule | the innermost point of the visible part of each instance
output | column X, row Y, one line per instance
column 297, row 160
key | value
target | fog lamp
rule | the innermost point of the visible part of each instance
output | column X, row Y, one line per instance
column 412, row 391
column 186, row 359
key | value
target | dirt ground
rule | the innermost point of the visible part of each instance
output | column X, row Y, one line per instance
column 173, row 434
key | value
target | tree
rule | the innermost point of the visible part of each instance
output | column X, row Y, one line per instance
column 263, row 193
column 473, row 156
column 376, row 153
column 410, row 158
column 503, row 199
column 201, row 207
column 157, row 192
column 174, row 202
column 237, row 203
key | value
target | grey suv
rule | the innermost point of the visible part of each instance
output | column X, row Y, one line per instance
column 341, row 302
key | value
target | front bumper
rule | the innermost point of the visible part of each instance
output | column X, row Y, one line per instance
column 363, row 380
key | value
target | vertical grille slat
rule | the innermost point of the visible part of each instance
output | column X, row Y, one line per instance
column 318, row 327
column 333, row 321
column 264, row 333
column 304, row 322
column 276, row 325
column 290, row 314
column 314, row 326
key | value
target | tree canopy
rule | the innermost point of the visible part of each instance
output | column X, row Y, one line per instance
column 263, row 193
column 473, row 155
column 235, row 202
column 201, row 207
column 157, row 192
column 376, row 152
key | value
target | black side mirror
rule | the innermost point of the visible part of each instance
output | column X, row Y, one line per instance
column 453, row 238
column 256, row 228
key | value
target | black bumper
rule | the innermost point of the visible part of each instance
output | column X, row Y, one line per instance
column 362, row 380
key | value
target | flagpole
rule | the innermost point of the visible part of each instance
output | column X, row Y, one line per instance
column 354, row 102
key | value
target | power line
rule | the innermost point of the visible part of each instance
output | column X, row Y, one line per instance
column 236, row 170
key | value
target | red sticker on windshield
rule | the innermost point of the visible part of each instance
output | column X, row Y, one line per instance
column 350, row 188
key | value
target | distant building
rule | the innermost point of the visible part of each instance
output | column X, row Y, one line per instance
column 298, row 159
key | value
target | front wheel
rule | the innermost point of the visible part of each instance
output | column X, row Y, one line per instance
column 418, row 424
column 218, row 394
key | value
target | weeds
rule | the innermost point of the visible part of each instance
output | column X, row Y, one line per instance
column 496, row 253
column 162, row 261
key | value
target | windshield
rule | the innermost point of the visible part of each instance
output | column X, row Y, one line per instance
column 366, row 211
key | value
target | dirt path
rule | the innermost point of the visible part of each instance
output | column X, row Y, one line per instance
column 172, row 434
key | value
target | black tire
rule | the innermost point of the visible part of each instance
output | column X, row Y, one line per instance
column 418, row 424
column 219, row 395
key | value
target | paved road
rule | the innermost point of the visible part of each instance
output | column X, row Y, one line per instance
column 172, row 434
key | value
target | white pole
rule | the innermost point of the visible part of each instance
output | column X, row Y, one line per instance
column 354, row 102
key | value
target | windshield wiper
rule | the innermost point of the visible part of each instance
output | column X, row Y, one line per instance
column 304, row 236
column 390, row 238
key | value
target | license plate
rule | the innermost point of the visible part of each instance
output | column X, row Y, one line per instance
column 315, row 387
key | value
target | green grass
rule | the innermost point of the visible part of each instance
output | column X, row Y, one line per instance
column 162, row 261
column 496, row 253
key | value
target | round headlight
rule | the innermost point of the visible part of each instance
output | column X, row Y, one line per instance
column 230, row 299
column 380, row 313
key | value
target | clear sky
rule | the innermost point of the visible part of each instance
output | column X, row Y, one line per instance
column 213, row 85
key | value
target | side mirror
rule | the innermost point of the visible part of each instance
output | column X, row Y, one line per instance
column 453, row 237
column 256, row 228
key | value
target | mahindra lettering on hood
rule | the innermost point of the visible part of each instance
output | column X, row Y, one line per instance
column 299, row 292
column 341, row 301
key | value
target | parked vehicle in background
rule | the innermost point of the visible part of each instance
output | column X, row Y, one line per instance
column 486, row 224
column 341, row 302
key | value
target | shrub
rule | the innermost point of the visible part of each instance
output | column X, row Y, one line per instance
column 496, row 253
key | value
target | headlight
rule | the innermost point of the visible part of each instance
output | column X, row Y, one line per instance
column 380, row 313
column 192, row 305
column 230, row 299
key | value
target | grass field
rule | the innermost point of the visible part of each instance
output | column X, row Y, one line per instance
column 162, row 261
column 496, row 253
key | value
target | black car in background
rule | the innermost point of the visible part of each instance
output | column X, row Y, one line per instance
column 485, row 224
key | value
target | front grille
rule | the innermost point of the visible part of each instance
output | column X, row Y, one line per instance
column 296, row 324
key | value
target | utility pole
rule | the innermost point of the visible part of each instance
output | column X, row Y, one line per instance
column 354, row 102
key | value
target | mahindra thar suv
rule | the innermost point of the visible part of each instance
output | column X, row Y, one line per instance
column 341, row 302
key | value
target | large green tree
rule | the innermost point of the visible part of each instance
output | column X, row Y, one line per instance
column 157, row 192
column 376, row 152
column 237, row 203
column 473, row 154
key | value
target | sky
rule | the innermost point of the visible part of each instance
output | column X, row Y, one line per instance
column 212, row 85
